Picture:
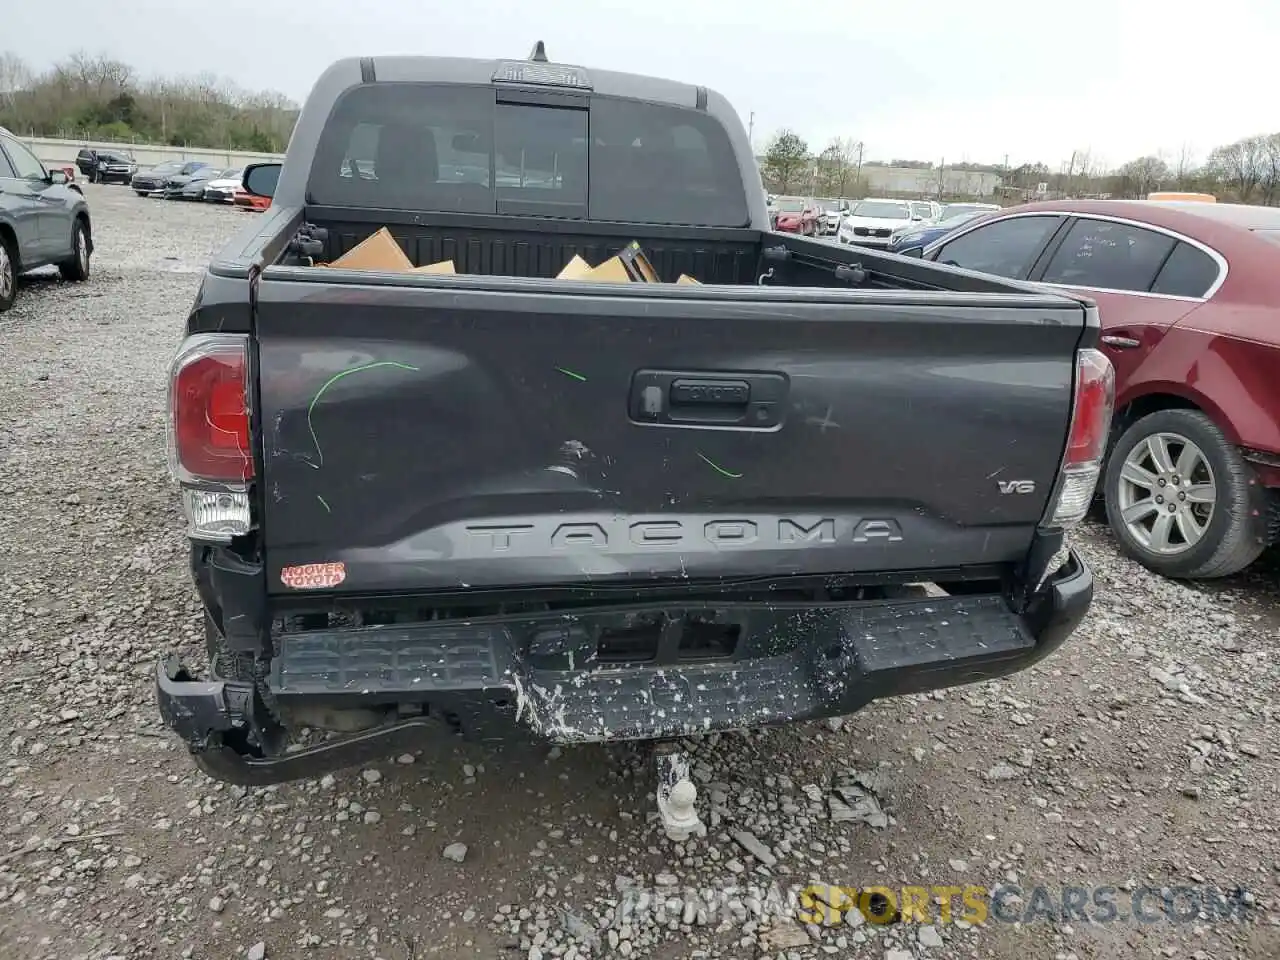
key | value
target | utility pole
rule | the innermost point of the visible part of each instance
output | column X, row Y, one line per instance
column 857, row 173
column 751, row 131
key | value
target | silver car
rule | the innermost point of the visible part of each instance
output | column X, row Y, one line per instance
column 44, row 220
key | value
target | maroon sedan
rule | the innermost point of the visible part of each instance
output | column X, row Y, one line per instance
column 1189, row 298
column 799, row 215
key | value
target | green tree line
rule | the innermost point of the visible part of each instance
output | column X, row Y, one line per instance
column 97, row 98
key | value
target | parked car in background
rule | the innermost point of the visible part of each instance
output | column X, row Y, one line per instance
column 872, row 221
column 910, row 241
column 832, row 211
column 114, row 168
column 800, row 215
column 929, row 211
column 104, row 166
column 44, row 220
column 248, row 201
column 222, row 189
column 152, row 181
column 192, row 185
column 1189, row 299
column 175, row 183
column 950, row 210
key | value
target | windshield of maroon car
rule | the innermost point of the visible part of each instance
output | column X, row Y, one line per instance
column 790, row 205
column 882, row 210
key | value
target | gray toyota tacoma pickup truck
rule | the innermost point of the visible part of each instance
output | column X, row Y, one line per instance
column 521, row 506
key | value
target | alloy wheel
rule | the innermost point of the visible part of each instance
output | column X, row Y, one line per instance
column 7, row 279
column 1167, row 493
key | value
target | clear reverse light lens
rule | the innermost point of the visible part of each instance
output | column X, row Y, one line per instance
column 1075, row 493
column 215, row 516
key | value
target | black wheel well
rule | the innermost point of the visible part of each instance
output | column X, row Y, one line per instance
column 1149, row 403
column 83, row 217
column 1134, row 411
column 11, row 238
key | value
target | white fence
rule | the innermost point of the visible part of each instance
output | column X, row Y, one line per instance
column 62, row 152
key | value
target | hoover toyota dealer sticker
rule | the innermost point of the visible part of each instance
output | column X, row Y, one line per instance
column 313, row 576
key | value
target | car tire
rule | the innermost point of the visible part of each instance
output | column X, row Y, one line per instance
column 1223, row 538
column 76, row 270
column 8, row 273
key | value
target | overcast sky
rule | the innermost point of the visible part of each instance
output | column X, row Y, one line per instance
column 974, row 80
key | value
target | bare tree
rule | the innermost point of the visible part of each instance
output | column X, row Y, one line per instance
column 1142, row 176
column 15, row 75
column 1233, row 166
column 837, row 167
column 1269, row 168
column 1184, row 164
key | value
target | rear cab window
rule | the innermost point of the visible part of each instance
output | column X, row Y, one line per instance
column 459, row 149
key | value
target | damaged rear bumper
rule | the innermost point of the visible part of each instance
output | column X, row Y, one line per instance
column 530, row 677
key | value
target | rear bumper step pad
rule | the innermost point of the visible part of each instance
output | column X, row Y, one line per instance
column 791, row 663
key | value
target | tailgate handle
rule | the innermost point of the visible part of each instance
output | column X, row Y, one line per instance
column 752, row 401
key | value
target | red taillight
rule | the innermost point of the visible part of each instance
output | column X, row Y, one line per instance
column 1095, row 392
column 1093, row 399
column 209, row 410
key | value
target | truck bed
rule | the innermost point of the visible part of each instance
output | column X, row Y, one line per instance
column 520, row 247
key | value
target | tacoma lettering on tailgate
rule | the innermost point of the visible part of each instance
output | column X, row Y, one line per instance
column 761, row 531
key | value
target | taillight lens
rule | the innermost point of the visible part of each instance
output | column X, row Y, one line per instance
column 209, row 410
column 1094, row 401
column 1095, row 396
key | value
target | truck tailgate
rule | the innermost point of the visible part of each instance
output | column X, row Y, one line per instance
column 435, row 435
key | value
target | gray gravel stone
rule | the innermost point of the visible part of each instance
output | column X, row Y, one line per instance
column 457, row 852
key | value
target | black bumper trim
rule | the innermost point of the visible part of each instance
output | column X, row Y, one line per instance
column 802, row 663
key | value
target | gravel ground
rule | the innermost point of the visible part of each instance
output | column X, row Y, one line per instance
column 1146, row 752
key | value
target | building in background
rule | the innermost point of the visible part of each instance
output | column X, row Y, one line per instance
column 914, row 182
